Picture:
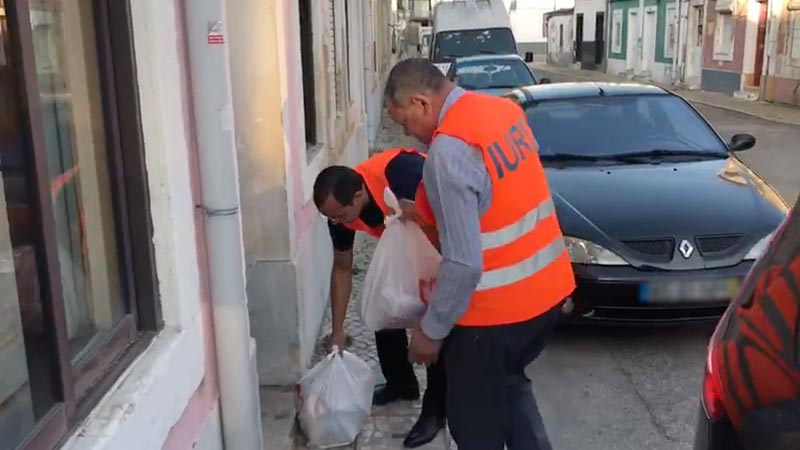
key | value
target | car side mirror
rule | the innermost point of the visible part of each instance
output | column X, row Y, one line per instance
column 742, row 142
column 529, row 57
column 545, row 81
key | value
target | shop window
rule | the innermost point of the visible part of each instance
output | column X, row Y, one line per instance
column 77, row 289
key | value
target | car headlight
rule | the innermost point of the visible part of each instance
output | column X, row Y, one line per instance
column 584, row 252
column 759, row 248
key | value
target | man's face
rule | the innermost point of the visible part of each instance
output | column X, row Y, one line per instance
column 339, row 213
column 417, row 116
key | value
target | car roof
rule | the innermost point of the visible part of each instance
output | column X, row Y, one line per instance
column 487, row 57
column 460, row 15
column 584, row 89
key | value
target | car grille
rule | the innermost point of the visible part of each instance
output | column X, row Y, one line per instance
column 717, row 244
column 653, row 248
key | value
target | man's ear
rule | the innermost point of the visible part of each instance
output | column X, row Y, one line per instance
column 420, row 100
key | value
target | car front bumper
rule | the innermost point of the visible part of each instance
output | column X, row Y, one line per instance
column 623, row 295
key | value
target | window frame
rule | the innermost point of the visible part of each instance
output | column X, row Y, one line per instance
column 617, row 30
column 720, row 53
column 82, row 383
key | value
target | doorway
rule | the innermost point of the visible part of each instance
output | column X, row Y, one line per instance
column 760, row 40
column 694, row 47
column 599, row 42
column 649, row 38
column 579, row 38
column 631, row 55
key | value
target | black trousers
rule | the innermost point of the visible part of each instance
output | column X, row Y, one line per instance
column 490, row 400
column 392, row 346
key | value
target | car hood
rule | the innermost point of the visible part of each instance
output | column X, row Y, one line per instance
column 611, row 204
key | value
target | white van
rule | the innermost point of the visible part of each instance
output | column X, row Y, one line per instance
column 470, row 27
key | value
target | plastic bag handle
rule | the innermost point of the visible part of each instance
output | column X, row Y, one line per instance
column 391, row 202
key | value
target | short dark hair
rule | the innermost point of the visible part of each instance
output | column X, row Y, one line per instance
column 413, row 74
column 340, row 181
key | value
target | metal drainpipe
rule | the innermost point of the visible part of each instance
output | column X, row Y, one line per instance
column 219, row 177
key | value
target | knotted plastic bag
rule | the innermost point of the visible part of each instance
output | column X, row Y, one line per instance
column 401, row 274
column 335, row 399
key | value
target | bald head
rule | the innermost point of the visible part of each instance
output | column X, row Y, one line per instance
column 415, row 94
column 411, row 76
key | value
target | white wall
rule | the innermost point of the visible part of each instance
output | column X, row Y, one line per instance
column 289, row 254
column 589, row 9
column 562, row 54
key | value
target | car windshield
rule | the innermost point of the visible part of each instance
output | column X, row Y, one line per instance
column 596, row 127
column 454, row 44
column 492, row 74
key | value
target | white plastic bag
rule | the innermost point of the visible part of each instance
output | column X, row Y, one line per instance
column 400, row 276
column 335, row 399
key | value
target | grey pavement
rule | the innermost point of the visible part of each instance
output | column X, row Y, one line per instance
column 598, row 388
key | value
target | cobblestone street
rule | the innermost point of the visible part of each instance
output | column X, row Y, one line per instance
column 386, row 428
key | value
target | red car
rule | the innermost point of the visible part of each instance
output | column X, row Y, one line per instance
column 751, row 387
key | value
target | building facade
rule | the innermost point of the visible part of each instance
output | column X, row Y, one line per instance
column 590, row 34
column 560, row 49
column 643, row 39
column 107, row 324
column 782, row 64
column 307, row 94
column 157, row 159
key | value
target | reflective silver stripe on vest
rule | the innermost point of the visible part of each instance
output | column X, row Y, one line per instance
column 521, row 227
column 523, row 269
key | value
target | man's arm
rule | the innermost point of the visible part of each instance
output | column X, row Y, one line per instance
column 341, row 280
column 455, row 182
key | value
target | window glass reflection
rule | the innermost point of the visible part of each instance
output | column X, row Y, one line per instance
column 27, row 355
column 68, row 79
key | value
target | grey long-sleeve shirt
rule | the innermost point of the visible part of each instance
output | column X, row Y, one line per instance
column 459, row 190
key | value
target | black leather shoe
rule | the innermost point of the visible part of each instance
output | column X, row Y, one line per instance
column 384, row 396
column 424, row 431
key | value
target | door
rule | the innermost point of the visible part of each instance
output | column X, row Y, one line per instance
column 649, row 39
column 599, row 33
column 760, row 38
column 632, row 55
column 694, row 48
column 579, row 38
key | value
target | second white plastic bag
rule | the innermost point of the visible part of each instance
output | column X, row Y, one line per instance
column 400, row 275
column 335, row 399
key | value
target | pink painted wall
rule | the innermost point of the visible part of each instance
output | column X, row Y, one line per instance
column 708, row 48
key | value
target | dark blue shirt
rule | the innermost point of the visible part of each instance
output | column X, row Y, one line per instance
column 404, row 174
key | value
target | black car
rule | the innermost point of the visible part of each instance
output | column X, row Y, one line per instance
column 751, row 385
column 661, row 219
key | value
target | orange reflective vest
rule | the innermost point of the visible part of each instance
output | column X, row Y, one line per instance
column 373, row 171
column 526, row 267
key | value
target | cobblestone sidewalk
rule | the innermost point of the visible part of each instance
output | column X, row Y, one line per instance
column 387, row 426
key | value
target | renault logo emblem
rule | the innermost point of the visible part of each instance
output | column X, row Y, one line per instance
column 686, row 249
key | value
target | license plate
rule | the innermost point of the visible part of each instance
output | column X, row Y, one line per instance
column 682, row 291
